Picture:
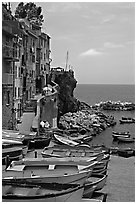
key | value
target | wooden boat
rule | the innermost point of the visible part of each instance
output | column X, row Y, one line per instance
column 116, row 136
column 71, row 152
column 124, row 139
column 125, row 152
column 12, row 135
column 126, row 120
column 120, row 133
column 95, row 180
column 95, row 197
column 13, row 153
column 63, row 140
column 77, row 162
column 88, row 191
column 38, row 173
column 39, row 142
column 102, row 170
column 49, row 192
column 11, row 141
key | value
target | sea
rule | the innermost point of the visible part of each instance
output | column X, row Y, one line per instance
column 95, row 93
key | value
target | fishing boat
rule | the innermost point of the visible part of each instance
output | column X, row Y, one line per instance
column 124, row 139
column 125, row 152
column 115, row 137
column 71, row 152
column 39, row 142
column 120, row 133
column 11, row 153
column 39, row 173
column 49, row 192
column 63, row 140
column 126, row 120
column 77, row 162
column 95, row 180
column 88, row 191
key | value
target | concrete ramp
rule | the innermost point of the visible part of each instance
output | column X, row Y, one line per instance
column 26, row 124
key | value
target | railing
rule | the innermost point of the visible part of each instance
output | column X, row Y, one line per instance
column 7, row 78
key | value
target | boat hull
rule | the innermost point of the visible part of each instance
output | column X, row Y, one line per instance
column 69, row 195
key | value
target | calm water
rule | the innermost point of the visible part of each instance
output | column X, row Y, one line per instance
column 92, row 94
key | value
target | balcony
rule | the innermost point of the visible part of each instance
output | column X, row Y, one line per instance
column 7, row 79
column 10, row 53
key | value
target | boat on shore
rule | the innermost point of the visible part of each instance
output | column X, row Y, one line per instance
column 49, row 192
column 71, row 152
column 19, row 172
column 11, row 154
column 78, row 164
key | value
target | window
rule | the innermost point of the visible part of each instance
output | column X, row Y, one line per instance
column 41, row 67
column 18, row 92
column 8, row 97
column 44, row 67
column 15, row 94
column 44, row 56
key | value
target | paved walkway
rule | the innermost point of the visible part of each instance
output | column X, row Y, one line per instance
column 120, row 184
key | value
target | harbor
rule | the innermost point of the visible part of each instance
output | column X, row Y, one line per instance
column 68, row 102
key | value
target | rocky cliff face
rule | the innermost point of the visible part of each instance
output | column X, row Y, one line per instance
column 67, row 84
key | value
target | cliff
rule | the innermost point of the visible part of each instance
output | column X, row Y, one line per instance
column 67, row 84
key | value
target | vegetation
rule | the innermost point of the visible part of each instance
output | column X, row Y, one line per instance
column 29, row 11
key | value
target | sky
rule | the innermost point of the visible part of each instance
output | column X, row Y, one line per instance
column 99, row 38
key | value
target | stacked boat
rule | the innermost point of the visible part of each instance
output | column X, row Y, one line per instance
column 68, row 171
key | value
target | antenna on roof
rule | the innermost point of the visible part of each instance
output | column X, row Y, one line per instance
column 66, row 61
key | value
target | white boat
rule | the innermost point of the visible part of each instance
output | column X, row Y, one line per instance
column 38, row 173
column 50, row 192
column 123, row 136
column 63, row 140
column 11, row 141
column 120, row 133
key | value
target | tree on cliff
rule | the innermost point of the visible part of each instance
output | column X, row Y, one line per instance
column 29, row 11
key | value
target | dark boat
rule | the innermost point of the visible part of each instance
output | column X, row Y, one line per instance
column 13, row 153
column 39, row 142
column 49, row 192
column 126, row 152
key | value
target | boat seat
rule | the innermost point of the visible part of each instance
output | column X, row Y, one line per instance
column 51, row 167
column 68, row 153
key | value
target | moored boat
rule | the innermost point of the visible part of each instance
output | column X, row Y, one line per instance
column 120, row 133
column 127, row 120
column 49, row 192
column 124, row 139
column 125, row 152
